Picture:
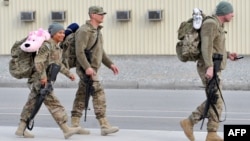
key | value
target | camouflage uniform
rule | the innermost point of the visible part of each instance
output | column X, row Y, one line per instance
column 85, row 38
column 45, row 57
column 48, row 53
column 212, row 35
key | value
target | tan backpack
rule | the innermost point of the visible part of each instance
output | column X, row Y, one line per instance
column 69, row 54
column 188, row 45
column 68, row 46
column 22, row 63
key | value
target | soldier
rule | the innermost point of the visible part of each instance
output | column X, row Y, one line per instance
column 212, row 41
column 87, row 36
column 47, row 55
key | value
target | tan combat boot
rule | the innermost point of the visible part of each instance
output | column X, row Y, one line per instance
column 69, row 131
column 106, row 128
column 187, row 127
column 75, row 122
column 212, row 136
column 21, row 131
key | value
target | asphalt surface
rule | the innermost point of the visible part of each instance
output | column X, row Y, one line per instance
column 147, row 72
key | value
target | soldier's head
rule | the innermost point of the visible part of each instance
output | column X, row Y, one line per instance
column 56, row 31
column 224, row 10
column 96, row 13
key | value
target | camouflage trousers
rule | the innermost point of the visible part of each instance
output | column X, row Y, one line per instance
column 213, row 123
column 98, row 98
column 51, row 102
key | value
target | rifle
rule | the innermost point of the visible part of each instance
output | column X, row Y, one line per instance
column 52, row 71
column 211, row 89
column 89, row 89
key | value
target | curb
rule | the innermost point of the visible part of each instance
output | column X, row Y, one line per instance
column 181, row 85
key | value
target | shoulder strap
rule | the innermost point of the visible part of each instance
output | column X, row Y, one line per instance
column 211, row 17
column 95, row 42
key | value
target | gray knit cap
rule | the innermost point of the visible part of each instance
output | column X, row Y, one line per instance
column 54, row 28
column 224, row 8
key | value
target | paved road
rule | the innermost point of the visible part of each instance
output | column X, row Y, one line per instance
column 131, row 108
column 141, row 114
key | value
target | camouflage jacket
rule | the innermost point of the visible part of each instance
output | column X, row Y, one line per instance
column 213, row 41
column 49, row 53
column 85, row 38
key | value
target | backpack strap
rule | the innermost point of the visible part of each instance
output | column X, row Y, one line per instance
column 95, row 42
column 211, row 17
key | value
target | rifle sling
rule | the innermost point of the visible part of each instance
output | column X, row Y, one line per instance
column 94, row 43
column 215, row 110
column 213, row 106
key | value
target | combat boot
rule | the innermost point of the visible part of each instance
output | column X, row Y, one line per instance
column 21, row 131
column 187, row 127
column 75, row 122
column 212, row 136
column 69, row 131
column 106, row 128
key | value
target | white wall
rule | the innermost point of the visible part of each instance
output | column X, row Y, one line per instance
column 137, row 36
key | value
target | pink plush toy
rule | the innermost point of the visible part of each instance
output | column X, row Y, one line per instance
column 35, row 40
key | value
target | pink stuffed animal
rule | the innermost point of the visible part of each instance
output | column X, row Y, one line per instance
column 35, row 40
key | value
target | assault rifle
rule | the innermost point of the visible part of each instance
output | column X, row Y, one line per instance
column 89, row 89
column 212, row 88
column 52, row 72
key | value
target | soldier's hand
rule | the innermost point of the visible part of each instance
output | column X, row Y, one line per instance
column 115, row 69
column 232, row 56
column 209, row 73
column 72, row 77
column 90, row 72
column 43, row 81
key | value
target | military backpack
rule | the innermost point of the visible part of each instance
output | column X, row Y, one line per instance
column 188, row 45
column 68, row 46
column 22, row 63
